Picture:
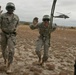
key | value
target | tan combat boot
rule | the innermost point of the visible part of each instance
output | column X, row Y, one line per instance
column 39, row 60
column 42, row 63
column 8, row 66
column 8, row 69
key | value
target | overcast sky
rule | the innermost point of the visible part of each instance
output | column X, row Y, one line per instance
column 28, row 9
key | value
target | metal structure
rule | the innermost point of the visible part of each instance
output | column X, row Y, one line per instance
column 52, row 12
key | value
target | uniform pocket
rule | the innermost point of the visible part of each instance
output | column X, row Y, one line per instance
column 13, row 38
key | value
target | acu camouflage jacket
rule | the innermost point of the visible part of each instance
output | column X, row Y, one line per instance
column 8, row 23
column 43, row 31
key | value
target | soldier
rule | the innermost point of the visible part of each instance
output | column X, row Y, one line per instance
column 8, row 22
column 44, row 38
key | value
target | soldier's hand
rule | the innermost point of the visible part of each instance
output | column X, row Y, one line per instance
column 35, row 21
column 54, row 26
column 1, row 10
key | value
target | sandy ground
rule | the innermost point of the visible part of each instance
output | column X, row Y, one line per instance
column 62, row 53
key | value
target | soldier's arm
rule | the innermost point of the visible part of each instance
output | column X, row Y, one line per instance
column 17, row 21
column 1, row 11
column 34, row 25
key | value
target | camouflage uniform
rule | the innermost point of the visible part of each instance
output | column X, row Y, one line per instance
column 43, row 40
column 8, row 26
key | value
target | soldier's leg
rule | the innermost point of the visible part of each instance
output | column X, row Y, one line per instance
column 11, row 47
column 4, row 46
column 38, row 48
column 46, row 48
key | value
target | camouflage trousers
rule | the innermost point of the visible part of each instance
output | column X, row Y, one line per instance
column 45, row 45
column 8, row 46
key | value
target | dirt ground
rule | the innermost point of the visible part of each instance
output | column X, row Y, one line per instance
column 62, row 53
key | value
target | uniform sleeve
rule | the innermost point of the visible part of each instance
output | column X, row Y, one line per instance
column 17, row 21
column 54, row 26
column 34, row 26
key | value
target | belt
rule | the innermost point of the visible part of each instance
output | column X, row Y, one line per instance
column 9, row 32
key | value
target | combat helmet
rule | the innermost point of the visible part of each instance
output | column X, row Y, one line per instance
column 46, row 17
column 10, row 4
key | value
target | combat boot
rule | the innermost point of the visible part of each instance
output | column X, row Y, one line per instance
column 9, row 69
column 42, row 63
column 39, row 60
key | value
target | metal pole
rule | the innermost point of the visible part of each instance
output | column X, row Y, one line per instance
column 52, row 13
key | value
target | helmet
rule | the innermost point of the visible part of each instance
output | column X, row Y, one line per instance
column 46, row 17
column 10, row 4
